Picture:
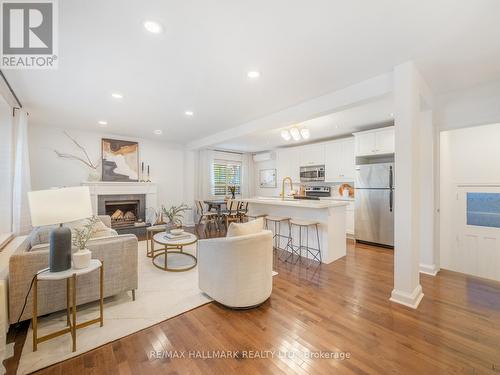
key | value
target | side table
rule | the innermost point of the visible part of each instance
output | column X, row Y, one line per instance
column 150, row 232
column 70, row 276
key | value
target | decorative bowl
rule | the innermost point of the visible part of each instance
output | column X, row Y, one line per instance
column 177, row 231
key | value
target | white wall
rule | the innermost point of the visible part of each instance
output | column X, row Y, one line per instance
column 47, row 170
column 6, row 163
column 265, row 192
column 469, row 162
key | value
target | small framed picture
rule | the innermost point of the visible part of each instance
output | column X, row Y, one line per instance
column 267, row 178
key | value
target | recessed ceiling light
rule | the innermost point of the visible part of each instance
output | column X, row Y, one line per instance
column 189, row 113
column 294, row 132
column 392, row 114
column 117, row 95
column 102, row 123
column 153, row 27
column 158, row 132
column 253, row 74
column 285, row 134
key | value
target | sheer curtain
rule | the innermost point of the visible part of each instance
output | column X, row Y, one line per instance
column 21, row 222
column 204, row 174
column 247, row 176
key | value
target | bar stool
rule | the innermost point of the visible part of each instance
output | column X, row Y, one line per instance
column 253, row 217
column 297, row 250
column 277, row 220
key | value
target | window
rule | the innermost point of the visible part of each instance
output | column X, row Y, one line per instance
column 225, row 174
column 483, row 209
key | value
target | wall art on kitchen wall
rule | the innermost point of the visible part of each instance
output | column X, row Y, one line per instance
column 120, row 160
column 267, row 178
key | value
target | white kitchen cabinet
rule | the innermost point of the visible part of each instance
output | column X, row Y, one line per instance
column 287, row 164
column 349, row 220
column 312, row 154
column 340, row 161
column 375, row 142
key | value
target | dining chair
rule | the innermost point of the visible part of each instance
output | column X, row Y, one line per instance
column 232, row 213
column 206, row 217
column 243, row 211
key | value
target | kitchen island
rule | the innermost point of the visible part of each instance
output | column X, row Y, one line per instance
column 329, row 214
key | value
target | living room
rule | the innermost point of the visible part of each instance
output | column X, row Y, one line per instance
column 249, row 187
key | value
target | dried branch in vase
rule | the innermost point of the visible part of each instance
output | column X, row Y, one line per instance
column 85, row 159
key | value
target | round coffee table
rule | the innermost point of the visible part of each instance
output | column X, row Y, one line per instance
column 173, row 246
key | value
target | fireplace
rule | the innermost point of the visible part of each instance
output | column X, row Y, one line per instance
column 127, row 211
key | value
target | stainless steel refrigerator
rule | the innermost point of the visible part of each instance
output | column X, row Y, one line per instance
column 374, row 215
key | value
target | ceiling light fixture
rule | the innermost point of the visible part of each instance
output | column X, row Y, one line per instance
column 153, row 27
column 253, row 74
column 392, row 114
column 158, row 132
column 294, row 132
column 117, row 95
column 189, row 113
column 304, row 132
column 285, row 134
column 102, row 123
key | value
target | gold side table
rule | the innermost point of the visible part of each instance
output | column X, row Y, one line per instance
column 150, row 244
column 173, row 246
column 70, row 276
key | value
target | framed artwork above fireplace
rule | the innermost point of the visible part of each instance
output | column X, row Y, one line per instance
column 120, row 160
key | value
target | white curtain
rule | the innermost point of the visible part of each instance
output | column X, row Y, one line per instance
column 247, row 176
column 204, row 172
column 21, row 222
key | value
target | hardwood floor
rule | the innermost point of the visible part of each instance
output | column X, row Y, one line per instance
column 340, row 307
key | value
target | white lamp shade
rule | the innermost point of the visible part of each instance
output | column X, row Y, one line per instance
column 57, row 206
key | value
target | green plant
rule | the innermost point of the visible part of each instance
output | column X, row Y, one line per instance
column 80, row 236
column 175, row 214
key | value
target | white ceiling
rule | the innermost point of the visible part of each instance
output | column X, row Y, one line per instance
column 303, row 49
column 375, row 114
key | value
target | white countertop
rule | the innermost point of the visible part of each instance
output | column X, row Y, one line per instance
column 299, row 203
column 347, row 199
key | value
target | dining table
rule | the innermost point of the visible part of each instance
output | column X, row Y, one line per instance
column 216, row 204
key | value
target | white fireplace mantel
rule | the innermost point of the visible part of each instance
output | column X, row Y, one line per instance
column 97, row 188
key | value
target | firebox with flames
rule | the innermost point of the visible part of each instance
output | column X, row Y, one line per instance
column 122, row 219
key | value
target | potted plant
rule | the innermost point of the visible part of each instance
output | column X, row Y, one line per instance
column 80, row 237
column 232, row 190
column 174, row 215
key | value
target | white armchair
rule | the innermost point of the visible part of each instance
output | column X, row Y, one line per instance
column 237, row 271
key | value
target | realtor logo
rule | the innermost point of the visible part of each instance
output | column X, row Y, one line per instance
column 29, row 34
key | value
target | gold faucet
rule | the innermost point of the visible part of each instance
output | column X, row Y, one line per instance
column 282, row 195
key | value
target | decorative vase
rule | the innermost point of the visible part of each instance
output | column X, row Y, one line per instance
column 81, row 259
column 233, row 195
column 94, row 175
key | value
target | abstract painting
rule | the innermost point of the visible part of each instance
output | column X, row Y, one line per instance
column 120, row 160
column 267, row 178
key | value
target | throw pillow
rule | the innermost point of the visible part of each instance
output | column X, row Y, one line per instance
column 241, row 229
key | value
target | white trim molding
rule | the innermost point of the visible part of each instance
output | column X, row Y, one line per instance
column 408, row 299
column 429, row 269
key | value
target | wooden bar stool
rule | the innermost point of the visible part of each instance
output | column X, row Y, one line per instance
column 297, row 249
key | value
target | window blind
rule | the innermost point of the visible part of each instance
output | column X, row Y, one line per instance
column 225, row 174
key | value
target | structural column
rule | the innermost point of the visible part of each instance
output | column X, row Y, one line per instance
column 408, row 92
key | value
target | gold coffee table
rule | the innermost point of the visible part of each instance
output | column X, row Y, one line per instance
column 173, row 246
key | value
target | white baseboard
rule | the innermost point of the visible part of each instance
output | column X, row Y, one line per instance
column 429, row 269
column 408, row 299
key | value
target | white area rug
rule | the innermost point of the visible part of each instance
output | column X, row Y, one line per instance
column 161, row 295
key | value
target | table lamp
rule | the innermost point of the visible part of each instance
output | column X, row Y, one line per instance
column 58, row 206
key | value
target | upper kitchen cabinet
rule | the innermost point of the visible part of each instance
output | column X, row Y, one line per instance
column 287, row 164
column 312, row 154
column 340, row 160
column 374, row 142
